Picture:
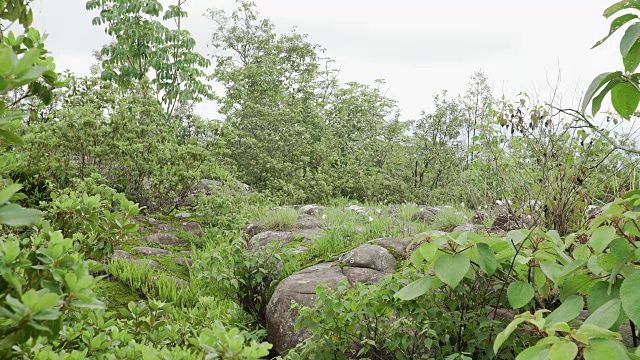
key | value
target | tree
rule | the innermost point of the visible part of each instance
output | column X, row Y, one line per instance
column 145, row 50
column 477, row 102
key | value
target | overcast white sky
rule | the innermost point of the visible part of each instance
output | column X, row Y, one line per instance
column 419, row 46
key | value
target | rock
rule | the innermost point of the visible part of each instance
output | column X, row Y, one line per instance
column 164, row 228
column 186, row 252
column 183, row 215
column 182, row 261
column 191, row 226
column 146, row 262
column 307, row 222
column 394, row 210
column 425, row 216
column 265, row 238
column 403, row 231
column 480, row 217
column 307, row 235
column 369, row 256
column 207, row 186
column 394, row 245
column 299, row 250
column 164, row 239
column 357, row 209
column 504, row 222
column 149, row 251
column 592, row 212
column 253, row 229
column 121, row 254
column 312, row 209
column 465, row 228
column 360, row 229
column 367, row 264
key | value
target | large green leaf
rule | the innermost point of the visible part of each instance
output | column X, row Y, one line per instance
column 604, row 349
column 621, row 5
column 16, row 215
column 504, row 334
column 630, row 296
column 534, row 353
column 615, row 25
column 625, row 99
column 629, row 39
column 606, row 315
column 597, row 101
column 632, row 59
column 451, row 268
column 601, row 237
column 563, row 350
column 519, row 294
column 567, row 311
column 487, row 259
column 415, row 289
column 596, row 84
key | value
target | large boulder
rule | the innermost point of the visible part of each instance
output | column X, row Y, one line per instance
column 356, row 209
column 365, row 264
column 253, row 229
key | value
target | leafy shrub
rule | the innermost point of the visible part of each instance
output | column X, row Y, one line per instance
column 90, row 220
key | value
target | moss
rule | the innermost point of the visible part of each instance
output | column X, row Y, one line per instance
column 115, row 294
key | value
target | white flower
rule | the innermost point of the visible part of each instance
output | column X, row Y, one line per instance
column 462, row 204
column 324, row 216
column 370, row 219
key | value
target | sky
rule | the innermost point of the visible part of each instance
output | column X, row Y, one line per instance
column 420, row 47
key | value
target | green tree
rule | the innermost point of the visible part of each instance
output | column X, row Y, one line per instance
column 144, row 49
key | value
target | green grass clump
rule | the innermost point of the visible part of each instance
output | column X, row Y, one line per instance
column 448, row 218
column 280, row 219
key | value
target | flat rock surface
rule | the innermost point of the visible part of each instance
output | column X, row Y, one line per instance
column 149, row 251
column 182, row 261
column 164, row 239
column 121, row 254
column 265, row 238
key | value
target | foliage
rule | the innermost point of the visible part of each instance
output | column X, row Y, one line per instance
column 92, row 222
column 144, row 46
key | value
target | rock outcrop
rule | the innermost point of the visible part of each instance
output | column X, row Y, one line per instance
column 364, row 264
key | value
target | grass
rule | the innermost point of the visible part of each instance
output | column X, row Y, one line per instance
column 449, row 218
column 280, row 219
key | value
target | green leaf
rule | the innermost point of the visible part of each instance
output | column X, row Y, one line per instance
column 596, row 84
column 563, row 350
column 519, row 294
column 630, row 296
column 415, row 289
column 621, row 5
column 625, row 98
column 606, row 315
column 601, row 237
column 7, row 59
column 16, row 215
column 27, row 60
column 7, row 193
column 567, row 311
column 428, row 250
column 10, row 137
column 629, row 38
column 632, row 60
column 615, row 25
column 516, row 236
column 451, row 268
column 534, row 353
column 597, row 101
column 573, row 285
column 600, row 349
column 504, row 335
column 487, row 259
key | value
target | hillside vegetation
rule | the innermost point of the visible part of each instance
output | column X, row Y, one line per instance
column 311, row 220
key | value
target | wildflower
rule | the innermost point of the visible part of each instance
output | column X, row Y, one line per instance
column 370, row 219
